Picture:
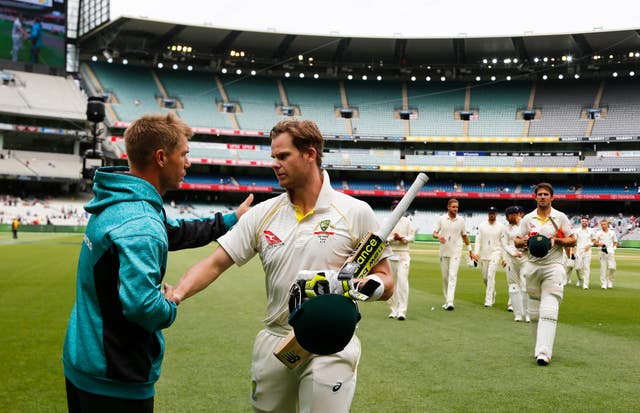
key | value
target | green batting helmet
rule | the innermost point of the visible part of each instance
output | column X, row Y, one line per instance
column 325, row 324
column 539, row 245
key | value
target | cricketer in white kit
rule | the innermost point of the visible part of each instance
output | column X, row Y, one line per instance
column 545, row 275
column 585, row 237
column 607, row 240
column 488, row 248
column 515, row 259
column 309, row 227
column 401, row 235
column 450, row 231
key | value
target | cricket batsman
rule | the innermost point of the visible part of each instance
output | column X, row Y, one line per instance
column 311, row 226
column 544, row 231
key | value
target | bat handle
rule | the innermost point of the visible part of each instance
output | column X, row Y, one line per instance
column 403, row 205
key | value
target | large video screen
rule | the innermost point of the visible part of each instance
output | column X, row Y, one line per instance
column 33, row 32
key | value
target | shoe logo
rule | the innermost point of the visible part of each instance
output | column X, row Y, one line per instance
column 337, row 387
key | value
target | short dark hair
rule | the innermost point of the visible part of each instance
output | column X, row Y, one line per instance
column 543, row 185
column 305, row 134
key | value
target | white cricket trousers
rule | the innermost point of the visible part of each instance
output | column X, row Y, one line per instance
column 399, row 301
column 322, row 384
column 545, row 287
column 449, row 267
column 517, row 288
column 489, row 269
column 607, row 269
column 583, row 268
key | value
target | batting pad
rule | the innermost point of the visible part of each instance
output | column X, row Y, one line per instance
column 549, row 307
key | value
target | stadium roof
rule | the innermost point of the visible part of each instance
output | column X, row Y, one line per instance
column 145, row 41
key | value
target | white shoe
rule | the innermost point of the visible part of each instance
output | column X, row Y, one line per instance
column 449, row 307
column 527, row 319
column 585, row 287
column 402, row 317
column 510, row 308
column 517, row 319
column 604, row 287
column 578, row 283
column 610, row 284
column 393, row 315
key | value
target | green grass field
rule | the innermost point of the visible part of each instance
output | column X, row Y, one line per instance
column 473, row 359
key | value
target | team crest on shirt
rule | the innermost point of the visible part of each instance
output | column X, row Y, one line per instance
column 323, row 234
column 272, row 239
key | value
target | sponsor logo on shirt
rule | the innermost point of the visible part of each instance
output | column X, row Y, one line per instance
column 323, row 234
column 272, row 239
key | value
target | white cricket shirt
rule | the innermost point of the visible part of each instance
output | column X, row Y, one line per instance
column 452, row 230
column 531, row 225
column 321, row 240
column 608, row 238
column 584, row 238
column 403, row 228
column 488, row 240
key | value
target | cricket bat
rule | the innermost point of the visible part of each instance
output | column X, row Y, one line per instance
column 357, row 265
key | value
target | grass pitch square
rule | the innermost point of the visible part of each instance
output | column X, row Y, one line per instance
column 473, row 359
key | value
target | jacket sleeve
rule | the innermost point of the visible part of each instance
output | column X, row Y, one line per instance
column 140, row 279
column 195, row 233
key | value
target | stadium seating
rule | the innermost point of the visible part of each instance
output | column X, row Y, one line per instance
column 375, row 103
column 198, row 93
column 34, row 94
column 431, row 160
column 42, row 165
column 612, row 161
column 133, row 87
column 317, row 99
column 561, row 103
column 258, row 98
column 497, row 104
column 550, row 161
column 436, row 104
column 621, row 99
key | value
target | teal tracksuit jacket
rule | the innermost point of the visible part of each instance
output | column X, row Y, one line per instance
column 114, row 345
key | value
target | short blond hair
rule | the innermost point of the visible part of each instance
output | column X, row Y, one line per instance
column 152, row 132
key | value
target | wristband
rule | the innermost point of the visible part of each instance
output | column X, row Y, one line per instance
column 377, row 293
column 469, row 247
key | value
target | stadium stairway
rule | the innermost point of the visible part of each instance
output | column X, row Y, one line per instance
column 225, row 99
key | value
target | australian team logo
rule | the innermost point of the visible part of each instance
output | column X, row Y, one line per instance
column 323, row 234
column 272, row 239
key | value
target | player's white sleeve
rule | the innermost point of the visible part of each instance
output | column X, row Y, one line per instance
column 476, row 247
column 507, row 244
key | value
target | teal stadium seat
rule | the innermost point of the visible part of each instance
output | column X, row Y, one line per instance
column 498, row 104
column 376, row 102
column 436, row 104
column 198, row 93
column 129, row 84
column 258, row 98
column 317, row 99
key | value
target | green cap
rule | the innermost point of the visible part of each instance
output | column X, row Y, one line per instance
column 539, row 245
column 325, row 324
